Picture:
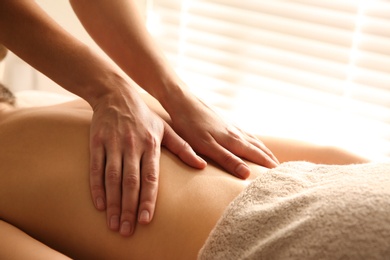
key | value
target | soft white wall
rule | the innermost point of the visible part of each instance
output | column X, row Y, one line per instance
column 18, row 75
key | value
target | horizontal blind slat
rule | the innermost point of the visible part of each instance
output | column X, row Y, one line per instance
column 223, row 18
column 322, row 55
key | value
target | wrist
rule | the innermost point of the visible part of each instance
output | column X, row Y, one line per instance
column 108, row 87
column 173, row 95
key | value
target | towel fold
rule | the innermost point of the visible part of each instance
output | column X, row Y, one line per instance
column 301, row 210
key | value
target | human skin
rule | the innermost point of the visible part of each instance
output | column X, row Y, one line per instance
column 44, row 192
column 125, row 136
column 122, row 125
column 3, row 52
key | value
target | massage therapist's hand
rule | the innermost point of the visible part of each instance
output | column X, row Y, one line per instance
column 125, row 153
column 209, row 135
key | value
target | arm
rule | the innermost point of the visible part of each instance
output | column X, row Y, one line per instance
column 118, row 29
column 32, row 35
column 15, row 244
column 122, row 127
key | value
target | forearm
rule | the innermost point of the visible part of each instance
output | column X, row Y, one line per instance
column 32, row 35
column 118, row 28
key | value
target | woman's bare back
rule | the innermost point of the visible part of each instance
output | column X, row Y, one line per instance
column 44, row 188
column 44, row 191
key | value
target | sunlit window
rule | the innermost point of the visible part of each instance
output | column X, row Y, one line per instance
column 315, row 70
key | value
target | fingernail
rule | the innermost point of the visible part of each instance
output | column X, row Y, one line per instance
column 242, row 170
column 114, row 222
column 202, row 160
column 125, row 228
column 144, row 216
column 100, row 203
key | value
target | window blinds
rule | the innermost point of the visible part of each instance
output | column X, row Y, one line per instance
column 317, row 70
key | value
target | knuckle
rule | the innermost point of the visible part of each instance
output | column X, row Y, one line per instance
column 96, row 169
column 207, row 141
column 130, row 181
column 113, row 176
column 97, row 189
column 151, row 178
column 185, row 146
column 151, row 141
column 129, row 140
column 229, row 159
column 234, row 135
column 97, row 139
column 235, row 138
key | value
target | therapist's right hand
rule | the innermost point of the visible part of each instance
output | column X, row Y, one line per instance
column 125, row 145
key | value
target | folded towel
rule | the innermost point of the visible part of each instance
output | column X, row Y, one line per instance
column 301, row 210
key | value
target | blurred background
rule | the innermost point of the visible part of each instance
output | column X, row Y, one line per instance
column 313, row 70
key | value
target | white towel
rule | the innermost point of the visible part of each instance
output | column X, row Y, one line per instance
column 301, row 210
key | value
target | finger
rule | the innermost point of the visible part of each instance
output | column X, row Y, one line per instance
column 130, row 192
column 236, row 143
column 258, row 143
column 227, row 160
column 113, row 180
column 254, row 152
column 149, row 183
column 96, row 176
column 174, row 143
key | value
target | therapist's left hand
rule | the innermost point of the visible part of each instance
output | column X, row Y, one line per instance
column 210, row 135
